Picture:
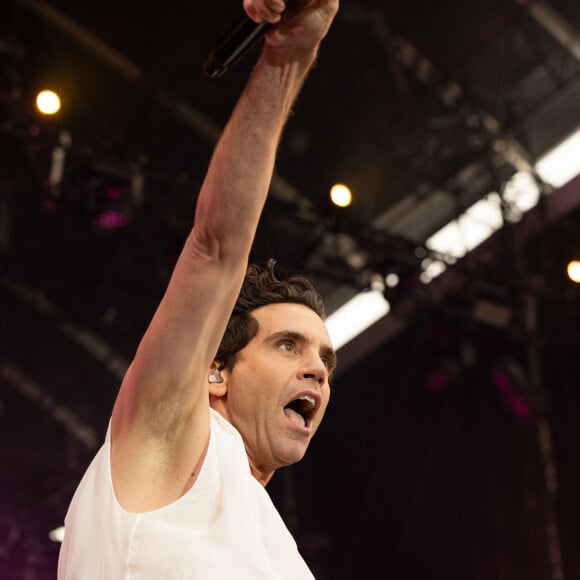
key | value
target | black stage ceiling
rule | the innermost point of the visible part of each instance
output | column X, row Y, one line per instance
column 450, row 447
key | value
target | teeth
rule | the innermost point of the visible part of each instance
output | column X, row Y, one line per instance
column 308, row 398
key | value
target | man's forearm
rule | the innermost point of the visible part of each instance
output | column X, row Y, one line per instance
column 241, row 169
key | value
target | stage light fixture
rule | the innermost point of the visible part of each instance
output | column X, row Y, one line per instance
column 110, row 206
column 573, row 270
column 48, row 102
column 340, row 195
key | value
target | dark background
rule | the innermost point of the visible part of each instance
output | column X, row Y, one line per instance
column 450, row 446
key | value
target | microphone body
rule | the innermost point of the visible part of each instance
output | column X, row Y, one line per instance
column 234, row 45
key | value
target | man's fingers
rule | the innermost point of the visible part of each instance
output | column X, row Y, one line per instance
column 264, row 10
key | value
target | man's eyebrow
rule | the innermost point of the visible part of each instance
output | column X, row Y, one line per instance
column 287, row 334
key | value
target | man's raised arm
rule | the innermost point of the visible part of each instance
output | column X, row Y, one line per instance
column 160, row 423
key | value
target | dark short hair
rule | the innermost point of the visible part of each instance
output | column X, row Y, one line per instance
column 263, row 286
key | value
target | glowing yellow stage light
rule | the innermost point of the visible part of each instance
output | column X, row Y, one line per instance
column 340, row 195
column 574, row 271
column 48, row 102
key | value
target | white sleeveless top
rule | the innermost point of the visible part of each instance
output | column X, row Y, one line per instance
column 224, row 527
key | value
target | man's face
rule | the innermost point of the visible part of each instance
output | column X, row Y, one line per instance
column 278, row 390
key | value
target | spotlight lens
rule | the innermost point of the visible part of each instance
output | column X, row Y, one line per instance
column 48, row 102
column 340, row 195
column 574, row 271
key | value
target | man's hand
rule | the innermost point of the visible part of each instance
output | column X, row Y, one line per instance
column 301, row 27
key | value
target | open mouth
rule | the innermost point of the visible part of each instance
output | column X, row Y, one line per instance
column 301, row 410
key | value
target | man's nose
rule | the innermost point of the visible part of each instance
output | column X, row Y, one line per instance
column 315, row 369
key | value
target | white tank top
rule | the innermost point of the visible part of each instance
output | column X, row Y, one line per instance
column 225, row 527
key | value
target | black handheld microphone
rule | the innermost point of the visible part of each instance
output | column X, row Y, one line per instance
column 235, row 44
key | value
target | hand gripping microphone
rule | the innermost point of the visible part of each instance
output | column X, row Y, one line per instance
column 234, row 45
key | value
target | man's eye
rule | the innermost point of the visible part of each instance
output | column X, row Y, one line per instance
column 287, row 345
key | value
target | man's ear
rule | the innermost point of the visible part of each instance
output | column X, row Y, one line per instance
column 217, row 385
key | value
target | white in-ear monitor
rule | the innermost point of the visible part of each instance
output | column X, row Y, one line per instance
column 215, row 377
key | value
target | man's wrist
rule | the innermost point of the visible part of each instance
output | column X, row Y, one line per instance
column 300, row 59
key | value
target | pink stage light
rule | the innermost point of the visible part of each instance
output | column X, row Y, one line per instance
column 111, row 220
